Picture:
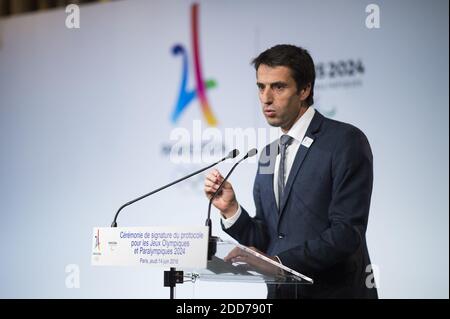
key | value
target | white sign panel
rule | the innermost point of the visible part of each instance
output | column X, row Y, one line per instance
column 150, row 246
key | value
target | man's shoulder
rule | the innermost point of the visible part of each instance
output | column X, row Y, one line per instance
column 340, row 130
column 338, row 137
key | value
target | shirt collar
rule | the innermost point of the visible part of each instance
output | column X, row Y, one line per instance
column 298, row 130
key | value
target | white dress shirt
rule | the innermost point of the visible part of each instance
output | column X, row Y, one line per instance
column 297, row 132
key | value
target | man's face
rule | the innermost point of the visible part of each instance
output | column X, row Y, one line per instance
column 280, row 100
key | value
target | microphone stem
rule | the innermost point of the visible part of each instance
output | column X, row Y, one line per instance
column 212, row 243
column 114, row 223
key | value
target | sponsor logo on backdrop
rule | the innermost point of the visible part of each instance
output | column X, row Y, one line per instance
column 185, row 95
column 339, row 74
column 193, row 145
column 334, row 76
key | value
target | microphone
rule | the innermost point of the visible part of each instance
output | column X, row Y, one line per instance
column 231, row 154
column 212, row 240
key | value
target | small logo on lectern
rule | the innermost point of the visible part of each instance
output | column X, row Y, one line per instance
column 97, row 240
column 112, row 245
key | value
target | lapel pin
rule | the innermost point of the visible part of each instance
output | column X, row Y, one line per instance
column 307, row 141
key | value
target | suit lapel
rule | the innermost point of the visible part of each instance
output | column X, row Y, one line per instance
column 300, row 157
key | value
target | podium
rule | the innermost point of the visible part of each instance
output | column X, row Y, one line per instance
column 184, row 251
column 256, row 268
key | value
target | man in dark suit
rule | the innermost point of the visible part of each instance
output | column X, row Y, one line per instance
column 312, row 189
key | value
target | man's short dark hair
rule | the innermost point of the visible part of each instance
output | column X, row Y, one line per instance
column 296, row 59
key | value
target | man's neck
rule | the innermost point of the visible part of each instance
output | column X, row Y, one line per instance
column 302, row 111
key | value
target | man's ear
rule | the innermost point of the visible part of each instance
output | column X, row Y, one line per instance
column 304, row 93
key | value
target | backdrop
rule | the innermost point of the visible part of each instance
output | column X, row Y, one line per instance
column 89, row 116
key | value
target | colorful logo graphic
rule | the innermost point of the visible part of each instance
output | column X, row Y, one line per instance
column 97, row 240
column 185, row 96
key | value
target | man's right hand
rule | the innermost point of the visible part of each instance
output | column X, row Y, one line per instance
column 225, row 201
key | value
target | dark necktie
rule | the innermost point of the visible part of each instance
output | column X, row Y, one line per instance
column 285, row 141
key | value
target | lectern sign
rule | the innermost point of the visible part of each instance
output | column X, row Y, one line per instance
column 150, row 246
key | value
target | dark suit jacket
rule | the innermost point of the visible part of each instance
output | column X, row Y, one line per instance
column 320, row 231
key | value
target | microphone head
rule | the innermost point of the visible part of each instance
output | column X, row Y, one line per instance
column 233, row 153
column 252, row 152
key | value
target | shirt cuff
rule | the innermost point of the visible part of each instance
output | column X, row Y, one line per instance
column 228, row 222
